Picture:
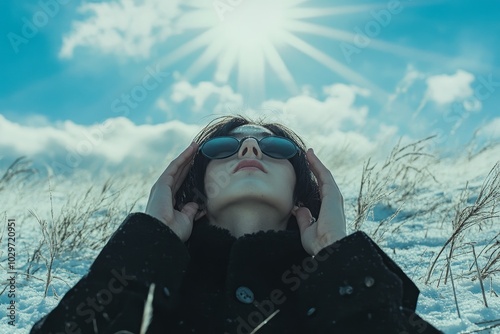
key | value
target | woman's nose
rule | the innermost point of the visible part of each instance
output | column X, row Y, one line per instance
column 250, row 147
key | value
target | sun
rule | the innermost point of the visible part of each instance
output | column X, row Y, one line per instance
column 253, row 25
column 247, row 37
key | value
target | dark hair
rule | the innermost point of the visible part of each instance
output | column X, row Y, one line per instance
column 306, row 192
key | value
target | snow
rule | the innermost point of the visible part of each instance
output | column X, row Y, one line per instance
column 413, row 238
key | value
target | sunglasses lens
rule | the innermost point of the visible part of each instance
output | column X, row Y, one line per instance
column 220, row 147
column 223, row 147
column 278, row 147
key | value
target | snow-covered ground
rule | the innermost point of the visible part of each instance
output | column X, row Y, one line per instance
column 413, row 238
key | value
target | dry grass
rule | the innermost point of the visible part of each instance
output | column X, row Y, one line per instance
column 396, row 181
column 17, row 171
column 479, row 215
column 402, row 176
column 85, row 222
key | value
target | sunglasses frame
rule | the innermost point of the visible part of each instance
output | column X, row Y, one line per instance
column 240, row 142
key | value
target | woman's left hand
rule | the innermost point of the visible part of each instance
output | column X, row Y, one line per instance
column 330, row 226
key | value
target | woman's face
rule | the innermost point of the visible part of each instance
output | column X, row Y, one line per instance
column 272, row 187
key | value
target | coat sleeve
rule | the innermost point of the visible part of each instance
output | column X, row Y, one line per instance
column 112, row 295
column 354, row 287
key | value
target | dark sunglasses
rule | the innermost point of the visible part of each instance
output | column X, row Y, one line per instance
column 273, row 146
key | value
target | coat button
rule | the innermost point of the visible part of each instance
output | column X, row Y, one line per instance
column 369, row 281
column 345, row 290
column 311, row 311
column 244, row 295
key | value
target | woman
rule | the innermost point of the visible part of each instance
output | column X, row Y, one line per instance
column 244, row 232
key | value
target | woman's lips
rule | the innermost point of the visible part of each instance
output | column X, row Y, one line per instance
column 250, row 168
column 249, row 164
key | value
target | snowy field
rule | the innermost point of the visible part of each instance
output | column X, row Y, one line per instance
column 61, row 225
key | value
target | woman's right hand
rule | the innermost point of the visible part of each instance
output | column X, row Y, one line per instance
column 161, row 200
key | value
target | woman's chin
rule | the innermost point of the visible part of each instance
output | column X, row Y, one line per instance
column 253, row 199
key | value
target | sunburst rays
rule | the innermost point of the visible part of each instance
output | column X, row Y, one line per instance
column 247, row 38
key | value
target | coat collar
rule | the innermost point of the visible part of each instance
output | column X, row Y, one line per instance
column 213, row 247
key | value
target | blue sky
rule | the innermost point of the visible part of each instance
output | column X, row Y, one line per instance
column 350, row 70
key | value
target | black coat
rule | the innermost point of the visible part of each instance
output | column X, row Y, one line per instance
column 215, row 283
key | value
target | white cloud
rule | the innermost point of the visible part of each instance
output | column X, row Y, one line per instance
column 115, row 143
column 35, row 120
column 332, row 124
column 444, row 89
column 492, row 129
column 123, row 28
column 450, row 92
column 412, row 75
column 222, row 98
column 337, row 111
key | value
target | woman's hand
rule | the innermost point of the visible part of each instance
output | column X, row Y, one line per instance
column 330, row 225
column 161, row 200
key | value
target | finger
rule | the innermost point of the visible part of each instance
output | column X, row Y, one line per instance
column 331, row 215
column 200, row 214
column 303, row 217
column 162, row 190
column 321, row 172
column 190, row 210
column 326, row 182
column 175, row 167
column 178, row 180
column 171, row 173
